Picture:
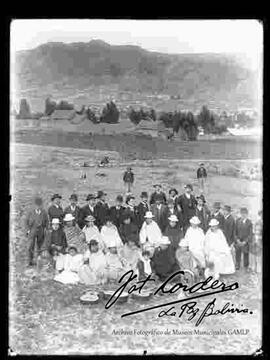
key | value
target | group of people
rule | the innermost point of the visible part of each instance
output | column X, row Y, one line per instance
column 96, row 244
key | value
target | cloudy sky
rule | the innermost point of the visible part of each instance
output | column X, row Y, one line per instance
column 169, row 36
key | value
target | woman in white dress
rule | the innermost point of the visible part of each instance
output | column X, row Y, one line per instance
column 217, row 251
column 109, row 233
column 93, row 271
column 67, row 266
column 91, row 231
column 195, row 238
column 150, row 233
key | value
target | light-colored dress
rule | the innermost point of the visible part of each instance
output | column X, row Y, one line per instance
column 150, row 236
column 110, row 235
column 70, row 266
column 115, row 267
column 91, row 232
column 93, row 273
column 218, row 251
column 130, row 257
column 75, row 237
column 195, row 240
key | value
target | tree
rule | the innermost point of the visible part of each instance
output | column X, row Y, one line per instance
column 110, row 114
column 134, row 116
column 50, row 106
column 205, row 119
column 24, row 112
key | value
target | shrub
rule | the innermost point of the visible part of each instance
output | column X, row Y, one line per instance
column 25, row 112
column 110, row 114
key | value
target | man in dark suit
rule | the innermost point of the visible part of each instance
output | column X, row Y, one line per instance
column 88, row 209
column 159, row 210
column 117, row 211
column 55, row 211
column 243, row 238
column 131, row 209
column 73, row 208
column 186, row 203
column 172, row 209
column 156, row 193
column 141, row 209
column 229, row 225
column 101, row 209
column 217, row 214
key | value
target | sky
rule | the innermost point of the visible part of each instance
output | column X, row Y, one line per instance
column 168, row 36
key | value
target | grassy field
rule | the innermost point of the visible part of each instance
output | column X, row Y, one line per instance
column 47, row 318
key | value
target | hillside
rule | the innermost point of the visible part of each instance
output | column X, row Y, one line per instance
column 66, row 69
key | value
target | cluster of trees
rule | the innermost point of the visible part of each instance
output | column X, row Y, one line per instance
column 185, row 121
column 25, row 111
column 136, row 116
column 210, row 122
column 51, row 106
column 110, row 114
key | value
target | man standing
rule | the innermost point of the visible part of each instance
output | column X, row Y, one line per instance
column 157, row 192
column 229, row 225
column 186, row 203
column 36, row 222
column 217, row 214
column 101, row 209
column 55, row 211
column 87, row 210
column 159, row 211
column 128, row 179
column 142, row 208
column 131, row 209
column 116, row 212
column 73, row 208
column 243, row 235
column 201, row 176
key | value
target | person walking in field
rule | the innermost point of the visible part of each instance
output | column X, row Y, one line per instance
column 55, row 211
column 243, row 238
column 128, row 179
column 73, row 208
column 201, row 176
column 36, row 223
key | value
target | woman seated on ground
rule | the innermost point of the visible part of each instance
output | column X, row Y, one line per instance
column 93, row 270
column 56, row 241
column 115, row 266
column 67, row 266
column 91, row 231
column 128, row 229
column 217, row 250
column 173, row 231
column 150, row 234
column 163, row 262
column 130, row 253
column 109, row 233
column 74, row 234
column 195, row 239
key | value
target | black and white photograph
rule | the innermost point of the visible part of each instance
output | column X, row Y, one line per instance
column 136, row 211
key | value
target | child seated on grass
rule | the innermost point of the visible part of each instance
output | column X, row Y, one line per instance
column 67, row 266
column 115, row 266
column 92, row 272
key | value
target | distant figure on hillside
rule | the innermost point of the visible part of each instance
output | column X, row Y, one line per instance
column 201, row 176
column 128, row 179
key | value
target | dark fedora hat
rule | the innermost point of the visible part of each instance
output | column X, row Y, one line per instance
column 56, row 196
column 90, row 197
column 188, row 186
column 173, row 189
column 100, row 193
column 201, row 197
column 73, row 197
column 129, row 197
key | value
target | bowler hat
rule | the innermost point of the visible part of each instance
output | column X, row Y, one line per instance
column 56, row 196
column 189, row 186
column 73, row 197
column 90, row 197
column 171, row 190
column 201, row 197
column 144, row 194
column 129, row 198
column 157, row 185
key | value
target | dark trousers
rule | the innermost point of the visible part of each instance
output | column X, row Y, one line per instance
column 238, row 257
column 36, row 239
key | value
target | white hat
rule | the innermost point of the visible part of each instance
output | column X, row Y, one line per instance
column 183, row 242
column 69, row 217
column 173, row 217
column 55, row 221
column 213, row 222
column 148, row 215
column 195, row 220
column 164, row 240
